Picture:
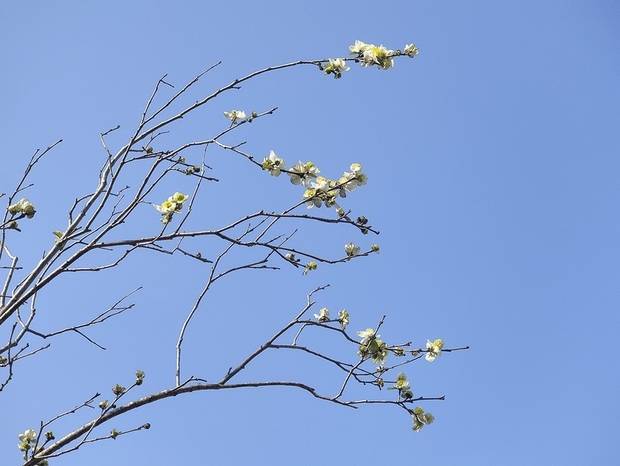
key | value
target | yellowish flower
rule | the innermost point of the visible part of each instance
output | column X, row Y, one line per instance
column 411, row 50
column 433, row 349
column 358, row 47
column 166, row 207
column 312, row 194
column 421, row 418
column 336, row 67
column 304, row 173
column 343, row 318
column 371, row 346
column 179, row 198
column 235, row 115
column 312, row 265
column 377, row 55
column 23, row 206
column 323, row 315
column 27, row 440
column 273, row 164
column 366, row 335
column 351, row 249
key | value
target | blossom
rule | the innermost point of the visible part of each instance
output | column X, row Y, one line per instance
column 26, row 439
column 166, row 207
column 371, row 54
column 118, row 390
column 303, row 173
column 356, row 167
column 351, row 249
column 291, row 257
column 403, row 387
column 235, row 115
column 312, row 265
column 366, row 335
column 375, row 247
column 336, row 66
column 371, row 346
column 171, row 205
column 179, row 198
column 139, row 377
column 23, row 206
column 354, row 178
column 421, row 418
column 358, row 47
column 377, row 55
column 313, row 197
column 433, row 349
column 273, row 164
column 323, row 315
column 411, row 50
column 343, row 318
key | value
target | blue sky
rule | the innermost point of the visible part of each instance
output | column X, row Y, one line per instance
column 493, row 167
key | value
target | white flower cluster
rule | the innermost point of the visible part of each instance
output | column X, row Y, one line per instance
column 23, row 206
column 336, row 66
column 171, row 205
column 421, row 418
column 351, row 249
column 319, row 189
column 433, row 349
column 236, row 116
column 323, row 315
column 371, row 346
column 378, row 55
column 403, row 387
column 27, row 441
column 273, row 164
column 324, row 191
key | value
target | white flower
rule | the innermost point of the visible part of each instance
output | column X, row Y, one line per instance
column 351, row 249
column 401, row 382
column 165, row 207
column 354, row 178
column 421, row 418
column 433, row 349
column 377, row 55
column 312, row 265
column 26, row 440
column 179, row 198
column 323, row 315
column 29, row 435
column 367, row 335
column 235, row 115
column 358, row 47
column 371, row 346
column 336, row 66
column 273, row 164
column 23, row 206
column 313, row 199
column 411, row 50
column 171, row 205
column 303, row 173
column 343, row 318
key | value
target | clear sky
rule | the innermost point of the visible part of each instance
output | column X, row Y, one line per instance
column 493, row 163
